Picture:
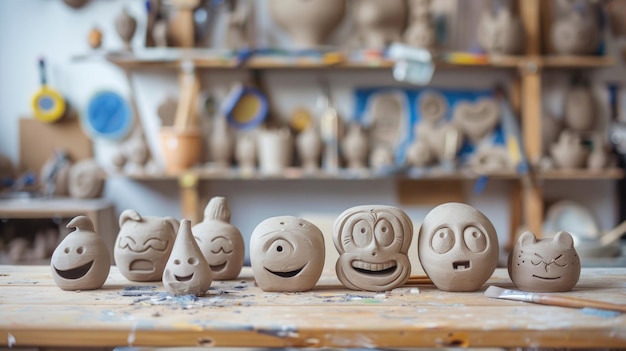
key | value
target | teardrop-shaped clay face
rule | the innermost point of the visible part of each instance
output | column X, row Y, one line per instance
column 545, row 265
column 287, row 254
column 187, row 271
column 221, row 243
column 81, row 261
column 458, row 247
column 373, row 242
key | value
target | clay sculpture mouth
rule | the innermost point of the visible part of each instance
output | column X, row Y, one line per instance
column 75, row 273
column 218, row 267
column 183, row 279
column 384, row 268
column 288, row 274
column 461, row 265
column 545, row 278
column 141, row 265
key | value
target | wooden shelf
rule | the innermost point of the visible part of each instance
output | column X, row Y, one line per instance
column 578, row 61
column 582, row 174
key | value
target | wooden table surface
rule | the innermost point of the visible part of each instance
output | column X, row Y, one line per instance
column 35, row 312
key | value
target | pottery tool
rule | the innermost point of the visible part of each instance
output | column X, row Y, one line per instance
column 245, row 107
column 419, row 279
column 48, row 104
column 108, row 116
column 412, row 65
column 551, row 299
column 189, row 88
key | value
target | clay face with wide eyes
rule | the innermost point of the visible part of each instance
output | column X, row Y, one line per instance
column 287, row 254
column 458, row 247
column 546, row 265
column 81, row 261
column 373, row 242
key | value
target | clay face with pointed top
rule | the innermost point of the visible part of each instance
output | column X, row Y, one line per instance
column 545, row 265
column 373, row 242
column 287, row 254
column 187, row 271
column 81, row 261
column 458, row 247
column 221, row 243
column 143, row 245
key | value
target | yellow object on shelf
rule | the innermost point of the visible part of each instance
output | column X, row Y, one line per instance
column 48, row 104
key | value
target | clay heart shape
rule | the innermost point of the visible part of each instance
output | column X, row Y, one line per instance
column 477, row 120
column 443, row 140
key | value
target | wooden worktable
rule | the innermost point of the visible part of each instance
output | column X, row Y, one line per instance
column 34, row 312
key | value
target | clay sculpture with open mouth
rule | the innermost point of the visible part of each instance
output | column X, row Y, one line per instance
column 143, row 245
column 373, row 242
column 457, row 247
column 187, row 271
column 81, row 261
column 221, row 243
column 287, row 254
column 545, row 265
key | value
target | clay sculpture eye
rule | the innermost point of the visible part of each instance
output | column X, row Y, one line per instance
column 443, row 240
column 362, row 234
column 281, row 246
column 475, row 239
column 384, row 233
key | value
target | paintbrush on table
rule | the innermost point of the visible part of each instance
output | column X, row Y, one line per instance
column 551, row 299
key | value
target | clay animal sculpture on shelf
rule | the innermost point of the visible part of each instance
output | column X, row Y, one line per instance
column 308, row 23
column 287, row 254
column 544, row 265
column 187, row 271
column 568, row 152
column 500, row 32
column 81, row 261
column 457, row 247
column 379, row 23
column 373, row 242
column 221, row 243
column 143, row 245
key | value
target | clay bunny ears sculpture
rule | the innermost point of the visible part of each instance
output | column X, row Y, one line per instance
column 143, row 245
column 373, row 242
column 458, row 247
column 545, row 265
column 81, row 261
column 287, row 254
column 221, row 243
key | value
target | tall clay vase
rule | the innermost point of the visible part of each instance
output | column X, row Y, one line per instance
column 125, row 25
column 379, row 23
column 222, row 143
column 355, row 147
column 309, row 148
column 308, row 22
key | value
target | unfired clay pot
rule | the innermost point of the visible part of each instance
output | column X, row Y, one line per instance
column 187, row 271
column 309, row 148
column 221, row 243
column 355, row 147
column 125, row 25
column 477, row 120
column 568, row 152
column 379, row 23
column 222, row 143
column 579, row 108
column 500, row 32
column 373, row 242
column 143, row 245
column 308, row 22
column 545, row 265
column 274, row 149
column 575, row 34
column 81, row 261
column 458, row 247
column 286, row 254
column 246, row 152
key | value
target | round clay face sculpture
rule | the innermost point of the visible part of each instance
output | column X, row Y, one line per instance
column 221, row 243
column 373, row 242
column 81, row 261
column 286, row 254
column 458, row 247
column 546, row 265
column 187, row 271
column 143, row 245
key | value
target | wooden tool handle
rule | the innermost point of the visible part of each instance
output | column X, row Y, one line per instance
column 569, row 301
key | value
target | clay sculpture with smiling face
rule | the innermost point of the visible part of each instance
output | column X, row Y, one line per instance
column 457, row 247
column 81, row 261
column 546, row 265
column 143, row 245
column 221, row 243
column 287, row 254
column 187, row 271
column 373, row 242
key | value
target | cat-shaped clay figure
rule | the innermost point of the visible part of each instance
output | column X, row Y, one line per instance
column 545, row 265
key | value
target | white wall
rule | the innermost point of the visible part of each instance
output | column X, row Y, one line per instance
column 29, row 28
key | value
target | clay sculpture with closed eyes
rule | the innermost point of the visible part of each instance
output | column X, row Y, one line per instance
column 143, row 245
column 221, row 243
column 544, row 265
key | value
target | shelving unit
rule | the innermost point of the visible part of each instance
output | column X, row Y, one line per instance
column 526, row 199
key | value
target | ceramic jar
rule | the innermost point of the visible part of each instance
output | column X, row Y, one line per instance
column 222, row 143
column 274, row 149
column 309, row 148
column 246, row 152
column 379, row 23
column 500, row 32
column 355, row 147
column 308, row 23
